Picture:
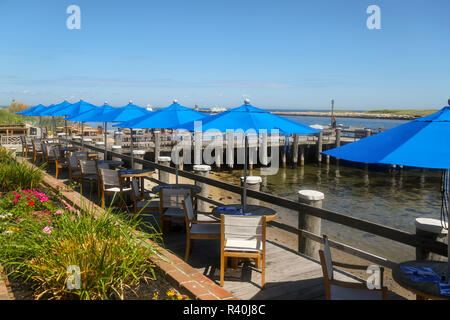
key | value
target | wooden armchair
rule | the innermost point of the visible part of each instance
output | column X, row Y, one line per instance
column 111, row 184
column 147, row 203
column 342, row 290
column 196, row 230
column 38, row 150
column 243, row 237
column 89, row 172
column 27, row 146
column 171, row 205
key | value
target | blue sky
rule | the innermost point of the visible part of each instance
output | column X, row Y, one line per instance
column 281, row 54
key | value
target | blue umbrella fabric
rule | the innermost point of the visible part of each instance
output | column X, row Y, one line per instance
column 32, row 109
column 126, row 113
column 248, row 117
column 166, row 118
column 94, row 115
column 420, row 143
column 70, row 109
column 47, row 111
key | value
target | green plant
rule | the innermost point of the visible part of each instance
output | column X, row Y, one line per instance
column 110, row 250
column 16, row 175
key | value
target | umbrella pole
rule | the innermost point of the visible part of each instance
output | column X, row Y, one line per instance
column 244, row 192
column 131, row 148
column 54, row 127
column 40, row 124
column 106, row 139
column 177, row 157
column 65, row 123
column 82, row 135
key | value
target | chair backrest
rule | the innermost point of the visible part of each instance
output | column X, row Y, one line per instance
column 88, row 167
column 327, row 258
column 73, row 163
column 243, row 227
column 135, row 189
column 37, row 145
column 51, row 152
column 110, row 178
column 188, row 210
column 172, row 198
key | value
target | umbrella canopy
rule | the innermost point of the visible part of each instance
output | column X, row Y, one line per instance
column 93, row 115
column 420, row 143
column 48, row 110
column 69, row 109
column 166, row 118
column 126, row 113
column 247, row 117
column 32, row 109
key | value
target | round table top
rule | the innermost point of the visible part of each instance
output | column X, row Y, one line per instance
column 68, row 148
column 111, row 162
column 428, row 290
column 193, row 187
column 255, row 210
column 130, row 173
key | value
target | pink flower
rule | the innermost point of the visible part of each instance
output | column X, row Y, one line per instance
column 47, row 230
column 69, row 208
column 15, row 200
column 58, row 212
column 28, row 198
column 44, row 199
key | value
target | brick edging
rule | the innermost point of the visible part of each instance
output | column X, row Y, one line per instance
column 187, row 278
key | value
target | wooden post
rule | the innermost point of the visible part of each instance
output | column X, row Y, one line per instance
column 138, row 154
column 164, row 176
column 319, row 147
column 295, row 150
column 157, row 136
column 430, row 229
column 253, row 183
column 302, row 155
column 116, row 149
column 309, row 223
column 263, row 149
column 198, row 144
column 202, row 170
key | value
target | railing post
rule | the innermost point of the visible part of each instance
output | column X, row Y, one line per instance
column 430, row 229
column 319, row 147
column 253, row 183
column 295, row 149
column 157, row 136
column 100, row 144
column 164, row 176
column 116, row 149
column 309, row 223
column 138, row 154
column 202, row 170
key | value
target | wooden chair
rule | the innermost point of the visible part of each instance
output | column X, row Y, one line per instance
column 111, row 184
column 171, row 205
column 27, row 146
column 195, row 230
column 148, row 203
column 60, row 162
column 89, row 172
column 38, row 150
column 243, row 237
column 74, row 169
column 342, row 290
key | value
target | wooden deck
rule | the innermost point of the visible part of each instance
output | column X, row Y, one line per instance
column 289, row 275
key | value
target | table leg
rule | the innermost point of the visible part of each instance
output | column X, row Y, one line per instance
column 142, row 187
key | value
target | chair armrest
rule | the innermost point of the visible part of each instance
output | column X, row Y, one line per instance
column 359, row 267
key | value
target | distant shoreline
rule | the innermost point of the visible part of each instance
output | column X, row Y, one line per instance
column 361, row 115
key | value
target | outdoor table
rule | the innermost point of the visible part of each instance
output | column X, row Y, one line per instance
column 423, row 290
column 255, row 210
column 139, row 174
column 194, row 189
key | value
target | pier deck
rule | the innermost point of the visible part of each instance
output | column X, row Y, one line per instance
column 289, row 275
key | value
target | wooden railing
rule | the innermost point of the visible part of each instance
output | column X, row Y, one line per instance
column 386, row 232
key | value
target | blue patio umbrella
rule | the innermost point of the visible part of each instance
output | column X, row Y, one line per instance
column 421, row 143
column 67, row 109
column 93, row 115
column 32, row 109
column 48, row 111
column 248, row 117
column 29, row 111
column 125, row 113
column 165, row 118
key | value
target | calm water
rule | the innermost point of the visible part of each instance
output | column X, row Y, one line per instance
column 391, row 199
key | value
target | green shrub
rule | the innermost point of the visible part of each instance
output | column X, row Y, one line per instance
column 39, row 246
column 15, row 175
